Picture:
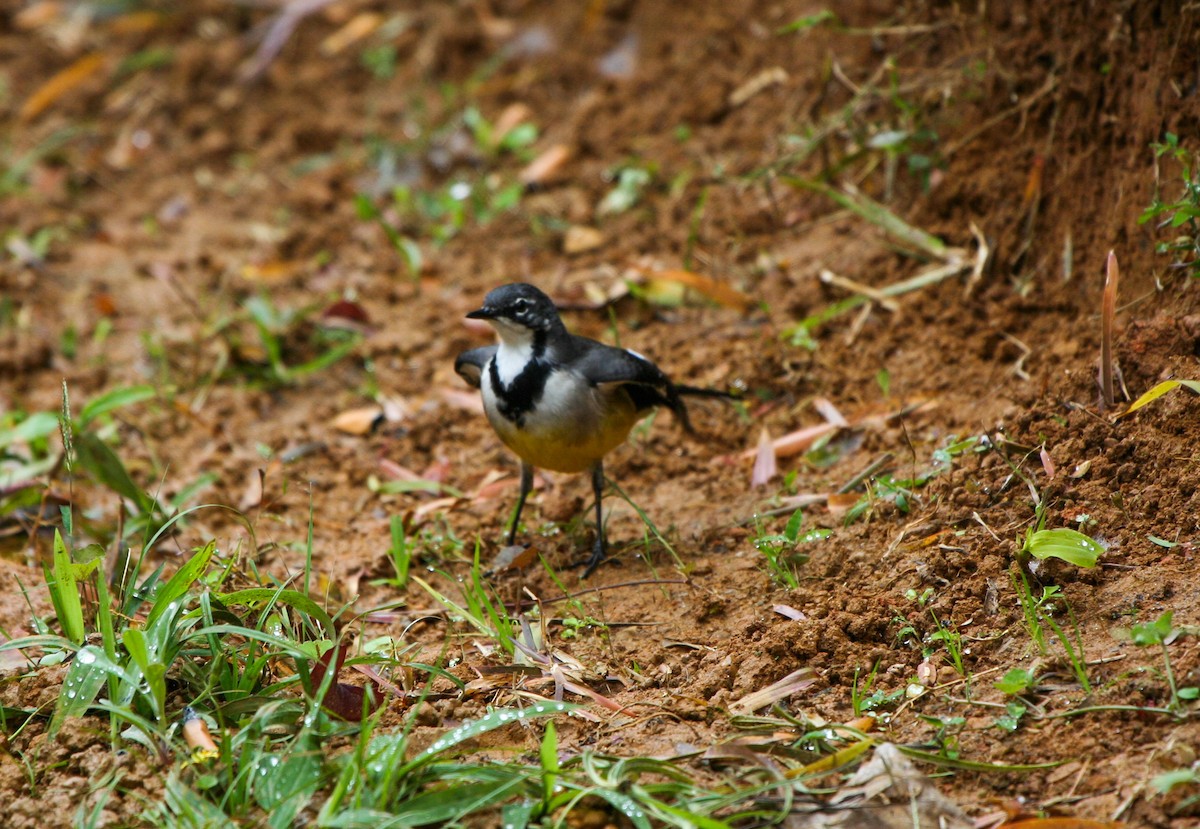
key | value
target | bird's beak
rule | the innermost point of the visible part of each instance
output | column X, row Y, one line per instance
column 484, row 313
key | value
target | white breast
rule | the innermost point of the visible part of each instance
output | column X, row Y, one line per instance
column 511, row 359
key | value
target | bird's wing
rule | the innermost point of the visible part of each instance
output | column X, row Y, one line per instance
column 646, row 384
column 470, row 364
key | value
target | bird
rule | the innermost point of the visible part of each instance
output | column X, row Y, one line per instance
column 558, row 400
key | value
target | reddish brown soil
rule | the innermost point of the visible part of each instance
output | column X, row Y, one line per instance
column 183, row 190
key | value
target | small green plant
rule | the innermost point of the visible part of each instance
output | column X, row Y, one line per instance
column 1040, row 610
column 781, row 553
column 902, row 492
column 946, row 734
column 862, row 702
column 1016, row 682
column 629, row 182
column 400, row 553
column 1182, row 214
column 1168, row 781
column 949, row 637
column 292, row 346
column 1161, row 632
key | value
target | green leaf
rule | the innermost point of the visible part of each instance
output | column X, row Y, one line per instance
column 1170, row 779
column 115, row 399
column 440, row 807
column 1071, row 546
column 792, row 531
column 64, row 592
column 810, row 21
column 88, row 672
column 1016, row 681
column 626, row 806
column 475, row 728
column 292, row 598
column 517, row 815
column 181, row 582
column 35, row 427
column 549, row 758
column 96, row 457
column 1152, row 633
column 1158, row 391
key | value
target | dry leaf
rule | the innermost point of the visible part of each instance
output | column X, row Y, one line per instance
column 360, row 421
column 135, row 23
column 494, row 484
column 792, row 683
column 888, row 792
column 580, row 239
column 514, row 556
column 270, row 272
column 511, row 118
column 359, row 27
column 467, row 400
column 839, row 503
column 719, row 292
column 60, row 84
column 764, row 460
column 793, row 443
column 763, row 80
column 37, row 15
column 545, row 165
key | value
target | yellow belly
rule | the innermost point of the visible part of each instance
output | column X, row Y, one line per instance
column 569, row 444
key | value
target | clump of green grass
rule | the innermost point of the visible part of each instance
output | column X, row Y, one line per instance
column 1180, row 215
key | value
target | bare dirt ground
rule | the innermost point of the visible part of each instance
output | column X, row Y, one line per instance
column 172, row 189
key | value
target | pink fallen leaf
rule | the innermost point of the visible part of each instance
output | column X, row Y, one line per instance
column 432, row 508
column 792, row 443
column 437, row 471
column 493, row 485
column 830, row 412
column 1048, row 463
column 764, row 460
column 395, row 472
column 460, row 399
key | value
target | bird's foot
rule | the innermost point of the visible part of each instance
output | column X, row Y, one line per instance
column 595, row 560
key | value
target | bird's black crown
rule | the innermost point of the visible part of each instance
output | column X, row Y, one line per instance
column 521, row 303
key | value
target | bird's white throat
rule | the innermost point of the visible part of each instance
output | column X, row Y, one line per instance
column 515, row 350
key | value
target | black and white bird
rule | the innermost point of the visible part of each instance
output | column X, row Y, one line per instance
column 560, row 401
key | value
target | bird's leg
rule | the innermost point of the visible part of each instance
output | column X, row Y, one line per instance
column 598, row 550
column 526, row 486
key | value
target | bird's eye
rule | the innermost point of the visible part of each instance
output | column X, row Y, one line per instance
column 521, row 305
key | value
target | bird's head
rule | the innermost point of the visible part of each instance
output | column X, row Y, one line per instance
column 518, row 312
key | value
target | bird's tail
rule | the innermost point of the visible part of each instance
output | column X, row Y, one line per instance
column 679, row 408
column 696, row 391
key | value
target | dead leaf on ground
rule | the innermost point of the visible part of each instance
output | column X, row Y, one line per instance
column 466, row 400
column 782, row 689
column 61, row 83
column 887, row 792
column 580, row 239
column 360, row 421
column 514, row 556
column 545, row 166
column 721, row 293
column 359, row 27
column 765, row 467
